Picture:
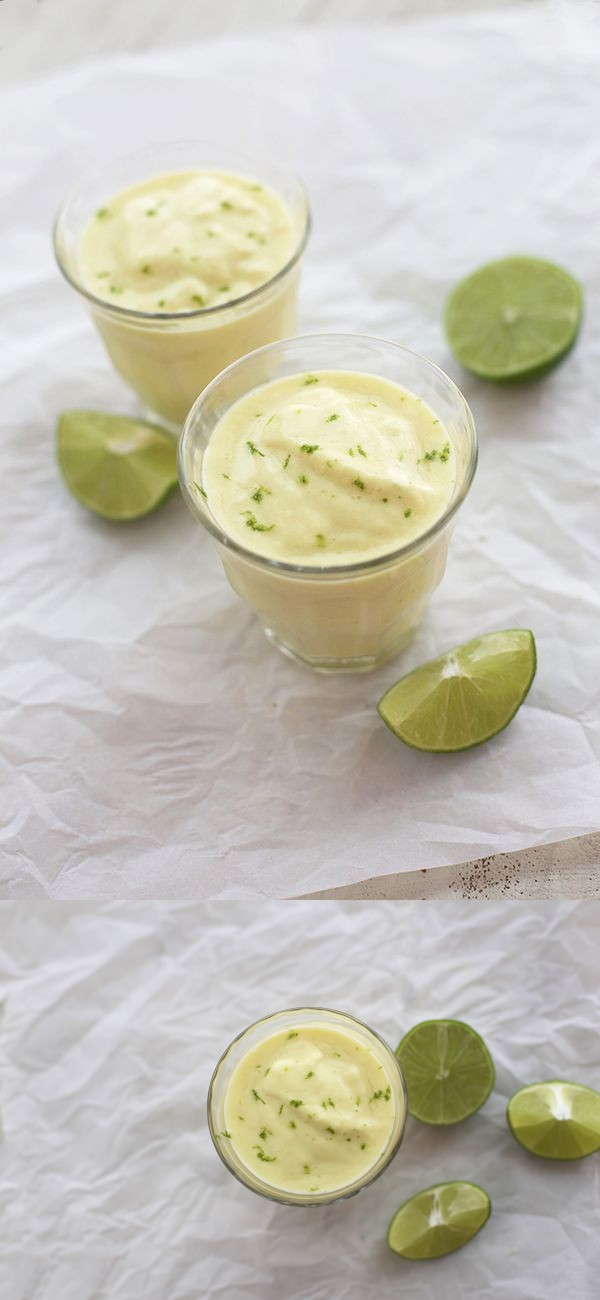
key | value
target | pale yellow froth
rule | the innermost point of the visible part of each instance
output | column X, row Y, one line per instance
column 328, row 468
column 184, row 241
column 309, row 1109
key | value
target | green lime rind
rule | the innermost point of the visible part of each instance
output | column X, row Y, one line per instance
column 439, row 1220
column 514, row 319
column 556, row 1125
column 448, row 1070
column 118, row 467
column 464, row 697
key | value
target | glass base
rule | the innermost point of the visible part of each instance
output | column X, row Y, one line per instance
column 357, row 664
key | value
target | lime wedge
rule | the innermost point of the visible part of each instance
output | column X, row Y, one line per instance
column 557, row 1120
column 439, row 1220
column 448, row 1070
column 117, row 467
column 513, row 319
column 465, row 696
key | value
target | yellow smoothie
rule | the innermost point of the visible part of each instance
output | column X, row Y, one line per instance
column 328, row 468
column 188, row 271
column 309, row 1109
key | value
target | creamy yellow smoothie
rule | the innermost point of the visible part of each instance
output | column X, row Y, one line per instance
column 185, row 271
column 331, row 490
column 309, row 1109
column 328, row 468
column 185, row 240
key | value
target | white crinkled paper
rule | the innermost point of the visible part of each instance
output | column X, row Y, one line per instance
column 114, row 1017
column 153, row 743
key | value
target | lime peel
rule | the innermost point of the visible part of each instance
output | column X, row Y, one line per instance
column 438, row 1220
column 464, row 697
column 118, row 467
column 448, row 1070
column 556, row 1120
column 513, row 319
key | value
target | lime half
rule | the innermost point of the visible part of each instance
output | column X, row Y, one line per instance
column 448, row 1070
column 118, row 467
column 557, row 1120
column 513, row 319
column 465, row 696
column 439, row 1220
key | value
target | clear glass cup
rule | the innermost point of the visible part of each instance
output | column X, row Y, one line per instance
column 264, row 1028
column 345, row 617
column 168, row 358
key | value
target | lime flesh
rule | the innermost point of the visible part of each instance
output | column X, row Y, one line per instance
column 556, row 1120
column 118, row 467
column 439, row 1220
column 448, row 1070
column 465, row 696
column 513, row 319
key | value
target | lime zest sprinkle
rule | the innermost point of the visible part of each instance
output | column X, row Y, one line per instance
column 258, row 496
column 306, row 1169
column 358, row 483
column 280, row 1109
column 292, row 1124
column 225, row 288
column 264, row 1134
column 146, row 269
column 150, row 212
column 309, row 1075
column 200, row 490
column 226, row 205
column 302, row 478
column 309, row 447
column 102, row 213
column 258, row 1096
column 197, row 297
column 335, row 416
column 293, row 1033
column 225, row 1133
column 262, row 1156
column 361, row 450
column 287, row 460
column 311, row 379
column 116, row 288
column 252, row 522
column 329, row 1129
column 294, row 1102
column 253, row 448
column 407, row 513
column 321, row 539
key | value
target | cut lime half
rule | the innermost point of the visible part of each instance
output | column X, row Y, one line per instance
column 116, row 466
column 556, row 1120
column 439, row 1220
column 513, row 319
column 448, row 1070
column 465, row 696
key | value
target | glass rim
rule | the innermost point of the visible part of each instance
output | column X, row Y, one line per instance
column 353, row 568
column 301, row 1198
column 132, row 313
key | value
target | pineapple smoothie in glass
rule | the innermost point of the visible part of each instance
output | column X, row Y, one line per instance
column 186, row 264
column 307, row 1106
column 329, row 470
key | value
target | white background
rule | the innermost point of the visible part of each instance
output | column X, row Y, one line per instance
column 114, row 1017
column 153, row 744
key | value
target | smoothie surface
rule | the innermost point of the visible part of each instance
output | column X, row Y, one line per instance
column 185, row 241
column 309, row 1109
column 333, row 467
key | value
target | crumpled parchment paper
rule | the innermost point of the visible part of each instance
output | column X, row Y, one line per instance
column 153, row 744
column 115, row 1016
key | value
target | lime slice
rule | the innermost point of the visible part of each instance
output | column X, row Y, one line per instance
column 513, row 319
column 557, row 1120
column 439, row 1220
column 448, row 1070
column 116, row 466
column 465, row 696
